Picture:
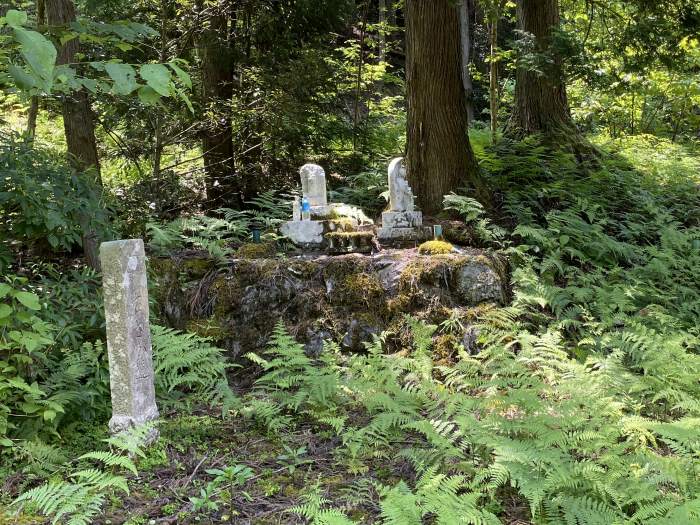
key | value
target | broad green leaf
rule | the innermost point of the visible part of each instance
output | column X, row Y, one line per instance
column 124, row 77
column 29, row 300
column 185, row 99
column 39, row 53
column 6, row 442
column 4, row 290
column 16, row 18
column 5, row 311
column 148, row 96
column 24, row 81
column 182, row 75
column 157, row 77
column 49, row 415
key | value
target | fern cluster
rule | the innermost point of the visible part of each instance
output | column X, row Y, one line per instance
column 187, row 367
column 76, row 496
column 583, row 401
column 217, row 235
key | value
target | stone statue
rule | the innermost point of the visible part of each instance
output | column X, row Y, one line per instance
column 402, row 222
column 400, row 194
column 313, row 184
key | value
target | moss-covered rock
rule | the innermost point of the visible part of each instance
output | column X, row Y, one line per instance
column 348, row 295
column 435, row 248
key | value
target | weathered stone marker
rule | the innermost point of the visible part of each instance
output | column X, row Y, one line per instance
column 402, row 222
column 131, row 374
column 313, row 185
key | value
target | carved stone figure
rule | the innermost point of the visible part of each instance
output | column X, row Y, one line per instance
column 400, row 193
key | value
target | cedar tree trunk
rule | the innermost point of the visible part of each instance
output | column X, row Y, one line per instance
column 439, row 156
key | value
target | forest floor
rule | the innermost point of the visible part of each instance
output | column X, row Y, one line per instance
column 579, row 403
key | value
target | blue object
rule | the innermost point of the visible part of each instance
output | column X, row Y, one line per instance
column 305, row 204
column 437, row 231
column 256, row 236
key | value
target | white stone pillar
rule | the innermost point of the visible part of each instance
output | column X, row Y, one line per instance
column 131, row 375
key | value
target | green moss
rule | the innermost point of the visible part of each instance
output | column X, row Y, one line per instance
column 196, row 267
column 445, row 347
column 256, row 250
column 207, row 328
column 344, row 224
column 435, row 248
column 362, row 289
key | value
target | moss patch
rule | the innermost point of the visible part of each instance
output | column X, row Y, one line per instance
column 256, row 250
column 435, row 248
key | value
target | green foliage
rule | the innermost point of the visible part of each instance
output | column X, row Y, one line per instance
column 216, row 236
column 40, row 74
column 76, row 496
column 472, row 213
column 294, row 380
column 223, row 487
column 581, row 405
column 43, row 203
column 23, row 338
column 186, row 366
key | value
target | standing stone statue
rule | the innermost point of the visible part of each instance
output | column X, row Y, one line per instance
column 131, row 374
column 400, row 194
column 313, row 184
column 402, row 222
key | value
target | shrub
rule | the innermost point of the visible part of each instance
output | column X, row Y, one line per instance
column 44, row 204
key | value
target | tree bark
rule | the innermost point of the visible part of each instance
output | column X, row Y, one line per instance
column 78, row 121
column 541, row 104
column 439, row 156
column 34, row 104
column 466, row 42
column 216, row 58
column 493, row 72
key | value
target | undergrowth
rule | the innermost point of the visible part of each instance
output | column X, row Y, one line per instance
column 582, row 404
column 578, row 404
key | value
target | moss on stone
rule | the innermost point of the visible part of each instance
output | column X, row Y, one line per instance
column 361, row 289
column 256, row 250
column 343, row 224
column 445, row 347
column 350, row 235
column 435, row 248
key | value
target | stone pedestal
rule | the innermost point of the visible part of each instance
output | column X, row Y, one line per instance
column 403, row 226
column 307, row 234
column 131, row 375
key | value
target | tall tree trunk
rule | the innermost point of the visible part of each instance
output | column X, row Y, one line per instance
column 493, row 71
column 382, row 30
column 78, row 121
column 216, row 56
column 34, row 104
column 541, row 104
column 439, row 156
column 466, row 42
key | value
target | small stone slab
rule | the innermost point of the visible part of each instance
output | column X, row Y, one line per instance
column 304, row 233
column 404, row 234
column 402, row 219
column 131, row 375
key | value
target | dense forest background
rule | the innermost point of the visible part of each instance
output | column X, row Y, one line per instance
column 561, row 136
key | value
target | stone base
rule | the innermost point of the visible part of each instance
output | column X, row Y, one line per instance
column 122, row 424
column 418, row 234
column 304, row 233
column 402, row 219
column 312, row 233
